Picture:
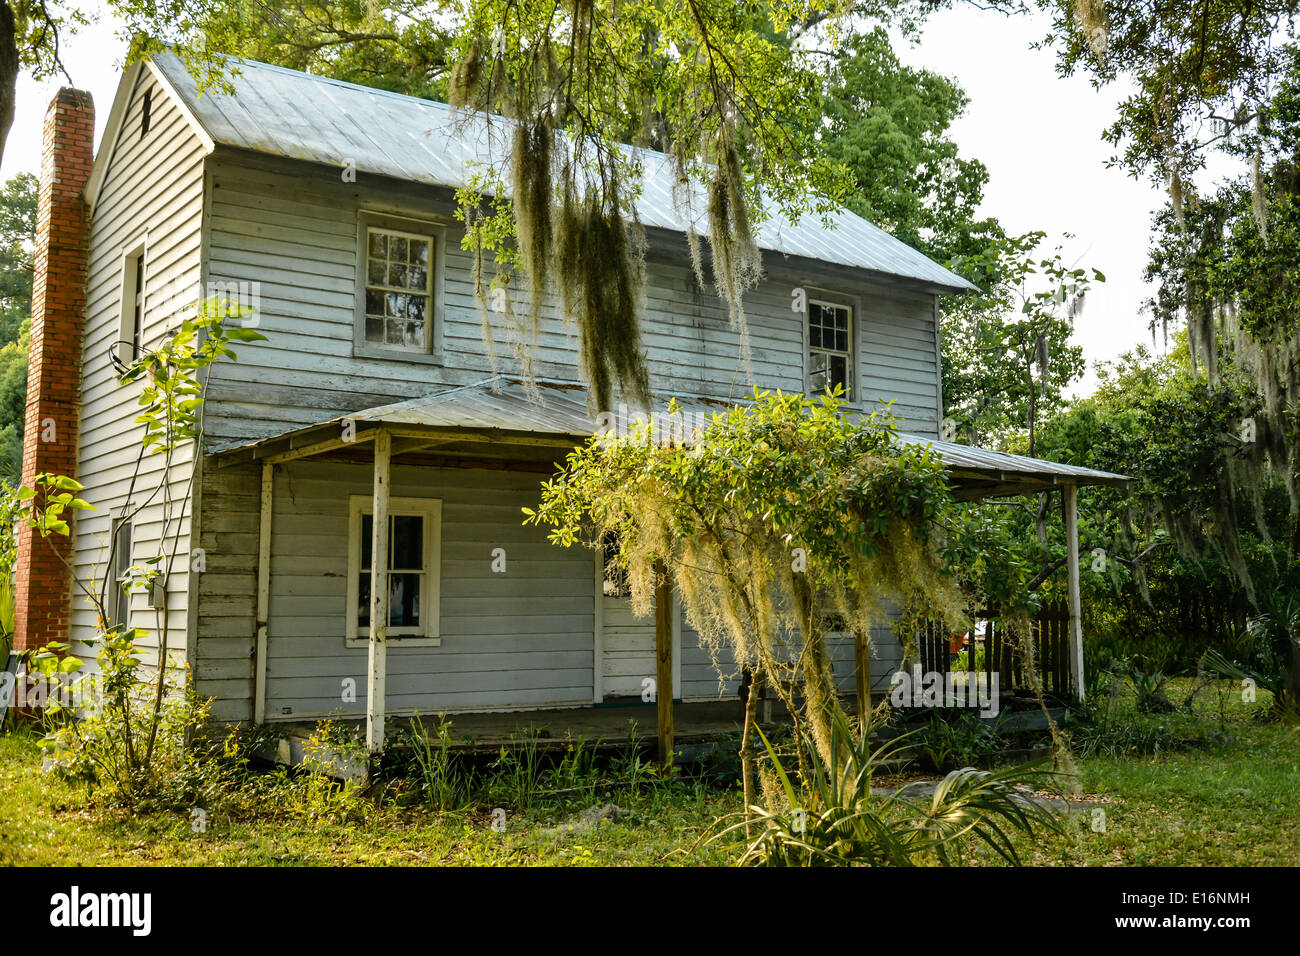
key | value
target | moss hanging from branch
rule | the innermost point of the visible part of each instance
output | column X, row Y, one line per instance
column 728, row 97
column 737, row 263
column 531, row 171
column 600, row 264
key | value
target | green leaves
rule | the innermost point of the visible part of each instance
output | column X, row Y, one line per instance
column 172, row 397
column 832, row 817
column 1007, row 352
column 47, row 500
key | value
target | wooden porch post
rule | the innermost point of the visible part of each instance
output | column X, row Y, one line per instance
column 664, row 662
column 377, row 673
column 862, row 676
column 263, row 592
column 1070, row 496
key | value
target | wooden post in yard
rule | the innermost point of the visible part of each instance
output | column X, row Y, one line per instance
column 664, row 662
column 1070, row 495
column 862, row 676
column 263, row 592
column 377, row 672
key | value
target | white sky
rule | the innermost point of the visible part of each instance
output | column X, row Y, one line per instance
column 1038, row 134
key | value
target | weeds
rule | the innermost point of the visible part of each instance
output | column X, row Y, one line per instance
column 444, row 782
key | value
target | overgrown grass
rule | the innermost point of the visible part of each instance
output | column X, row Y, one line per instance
column 44, row 822
column 1221, row 789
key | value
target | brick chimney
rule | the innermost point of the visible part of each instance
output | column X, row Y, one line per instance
column 43, row 590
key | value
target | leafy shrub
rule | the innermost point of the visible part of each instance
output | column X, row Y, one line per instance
column 116, row 732
column 957, row 739
column 1100, row 730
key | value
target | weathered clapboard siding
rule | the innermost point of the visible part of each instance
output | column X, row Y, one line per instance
column 152, row 192
column 627, row 648
column 508, row 640
column 292, row 229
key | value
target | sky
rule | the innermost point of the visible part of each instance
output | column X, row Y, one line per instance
column 1038, row 134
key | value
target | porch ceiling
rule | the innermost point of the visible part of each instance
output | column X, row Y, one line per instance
column 501, row 413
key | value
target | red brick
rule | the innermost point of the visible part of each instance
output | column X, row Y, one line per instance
column 43, row 599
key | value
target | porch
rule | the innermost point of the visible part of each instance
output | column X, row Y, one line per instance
column 499, row 425
column 698, row 727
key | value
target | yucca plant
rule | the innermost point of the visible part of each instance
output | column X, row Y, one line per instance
column 1149, row 689
column 836, row 820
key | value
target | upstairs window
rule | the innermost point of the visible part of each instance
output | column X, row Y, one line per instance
column 399, row 290
column 131, row 331
column 414, row 547
column 830, row 348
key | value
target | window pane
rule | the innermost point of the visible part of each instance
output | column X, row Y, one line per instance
column 363, row 601
column 397, row 275
column 842, row 340
column 839, row 372
column 393, row 332
column 419, row 278
column 378, row 244
column 414, row 335
column 376, row 271
column 374, row 330
column 420, row 252
column 367, row 540
column 374, row 302
column 415, row 307
column 407, row 543
column 397, row 248
column 123, row 556
column 404, row 600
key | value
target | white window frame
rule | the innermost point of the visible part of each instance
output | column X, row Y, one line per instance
column 430, row 509
column 429, row 231
column 134, row 296
column 851, row 391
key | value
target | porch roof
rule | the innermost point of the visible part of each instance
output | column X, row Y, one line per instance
column 501, row 410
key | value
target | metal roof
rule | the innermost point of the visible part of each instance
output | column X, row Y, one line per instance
column 504, row 409
column 321, row 120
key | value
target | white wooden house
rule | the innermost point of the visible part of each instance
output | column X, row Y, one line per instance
column 329, row 208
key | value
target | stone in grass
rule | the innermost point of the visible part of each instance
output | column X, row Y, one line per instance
column 589, row 819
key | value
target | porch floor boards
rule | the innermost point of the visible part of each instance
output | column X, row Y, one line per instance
column 605, row 726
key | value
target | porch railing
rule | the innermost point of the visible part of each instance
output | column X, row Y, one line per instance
column 995, row 651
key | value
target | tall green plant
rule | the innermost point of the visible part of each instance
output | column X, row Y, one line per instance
column 120, row 718
column 833, row 818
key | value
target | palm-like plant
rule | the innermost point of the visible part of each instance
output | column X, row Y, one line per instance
column 836, row 819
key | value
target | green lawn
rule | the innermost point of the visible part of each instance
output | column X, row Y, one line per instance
column 1227, row 804
column 1229, row 800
